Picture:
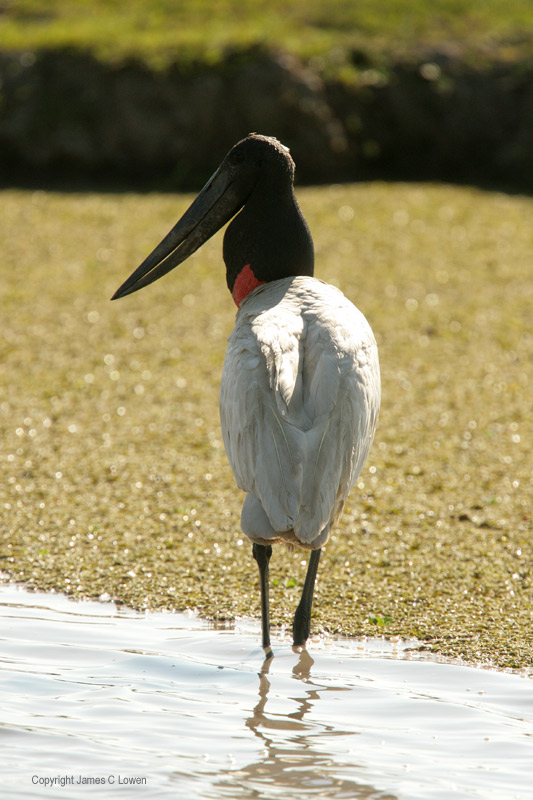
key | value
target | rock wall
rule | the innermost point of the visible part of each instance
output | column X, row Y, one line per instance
column 67, row 115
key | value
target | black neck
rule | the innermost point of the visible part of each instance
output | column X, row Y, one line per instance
column 270, row 234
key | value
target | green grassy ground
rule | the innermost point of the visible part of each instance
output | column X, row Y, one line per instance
column 113, row 477
column 160, row 30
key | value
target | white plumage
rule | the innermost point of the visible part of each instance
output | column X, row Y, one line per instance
column 299, row 402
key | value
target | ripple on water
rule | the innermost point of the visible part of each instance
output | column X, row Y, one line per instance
column 111, row 695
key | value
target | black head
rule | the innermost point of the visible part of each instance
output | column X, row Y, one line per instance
column 269, row 233
column 257, row 152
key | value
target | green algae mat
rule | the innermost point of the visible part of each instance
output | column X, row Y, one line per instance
column 114, row 480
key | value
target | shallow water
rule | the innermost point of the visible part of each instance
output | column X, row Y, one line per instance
column 88, row 689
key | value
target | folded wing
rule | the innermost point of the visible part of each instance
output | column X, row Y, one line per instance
column 299, row 403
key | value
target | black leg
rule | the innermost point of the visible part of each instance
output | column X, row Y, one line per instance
column 262, row 553
column 302, row 618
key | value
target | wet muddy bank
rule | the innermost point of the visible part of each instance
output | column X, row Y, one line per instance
column 113, row 476
column 67, row 115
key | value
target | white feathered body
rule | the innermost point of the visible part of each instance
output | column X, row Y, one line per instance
column 299, row 402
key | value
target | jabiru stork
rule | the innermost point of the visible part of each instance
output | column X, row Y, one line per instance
column 300, row 390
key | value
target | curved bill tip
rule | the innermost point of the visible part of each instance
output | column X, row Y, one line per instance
column 121, row 292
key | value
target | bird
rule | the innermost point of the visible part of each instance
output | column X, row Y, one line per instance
column 300, row 387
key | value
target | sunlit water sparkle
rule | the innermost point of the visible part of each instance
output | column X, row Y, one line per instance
column 88, row 689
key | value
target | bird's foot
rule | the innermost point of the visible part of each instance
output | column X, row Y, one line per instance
column 268, row 653
column 301, row 627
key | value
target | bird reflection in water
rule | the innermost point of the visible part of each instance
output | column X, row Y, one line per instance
column 295, row 756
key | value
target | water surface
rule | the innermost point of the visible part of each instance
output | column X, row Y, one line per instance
column 104, row 695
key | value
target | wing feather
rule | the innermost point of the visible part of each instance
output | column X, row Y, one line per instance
column 299, row 403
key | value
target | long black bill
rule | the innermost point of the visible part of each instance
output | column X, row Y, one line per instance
column 219, row 200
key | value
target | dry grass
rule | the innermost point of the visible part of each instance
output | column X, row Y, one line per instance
column 113, row 474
